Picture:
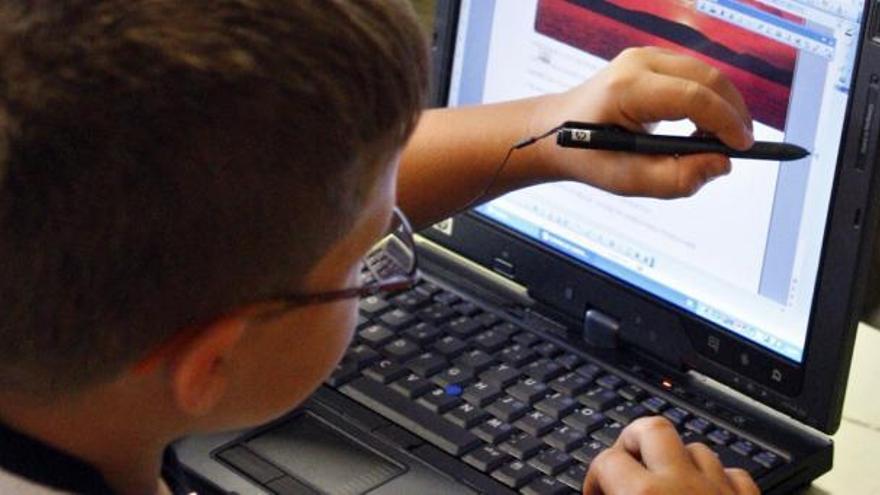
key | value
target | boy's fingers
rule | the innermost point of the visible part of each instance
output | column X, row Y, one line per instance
column 742, row 483
column 656, row 97
column 613, row 472
column 708, row 464
column 672, row 64
column 655, row 442
column 667, row 176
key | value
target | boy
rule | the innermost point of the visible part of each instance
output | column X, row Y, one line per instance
column 187, row 186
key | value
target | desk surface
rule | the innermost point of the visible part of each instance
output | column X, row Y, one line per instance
column 857, row 443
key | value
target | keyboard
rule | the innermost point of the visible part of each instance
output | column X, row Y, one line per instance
column 515, row 407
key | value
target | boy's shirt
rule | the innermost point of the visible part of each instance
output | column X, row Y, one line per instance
column 31, row 467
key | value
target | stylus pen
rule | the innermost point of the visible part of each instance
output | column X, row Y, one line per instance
column 614, row 138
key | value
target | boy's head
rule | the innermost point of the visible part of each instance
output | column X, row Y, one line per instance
column 166, row 166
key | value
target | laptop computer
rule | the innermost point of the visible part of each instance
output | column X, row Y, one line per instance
column 550, row 318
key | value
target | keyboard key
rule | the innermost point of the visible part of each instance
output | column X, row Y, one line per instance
column 551, row 461
column 627, row 412
column 467, row 308
column 611, row 382
column 446, row 298
column 450, row 346
column 569, row 361
column 375, row 335
column 418, row 420
column 467, row 415
column 677, row 415
column 373, row 305
column 427, row 288
column 608, row 435
column 476, row 360
column 437, row 314
column 361, row 356
column 515, row 474
column 546, row 486
column 565, row 438
column 526, row 339
column 721, row 437
column 481, row 393
column 547, row 349
column 491, row 341
column 397, row 319
column 588, row 452
column 655, row 404
column 585, row 420
column 574, row 477
column 698, row 425
column 463, row 327
column 412, row 386
column 522, row 446
column 599, row 398
column 455, row 375
column 570, row 384
column 528, row 390
column 385, row 371
column 767, row 459
column 488, row 319
column 632, row 392
column 439, row 401
column 744, row 447
column 544, row 370
column 589, row 371
column 411, row 300
column 557, row 405
column 343, row 373
column 487, row 458
column 507, row 409
column 732, row 459
column 501, row 375
column 453, row 467
column 427, row 364
column 362, row 322
column 401, row 349
column 518, row 355
column 507, row 328
column 693, row 437
column 536, row 423
column 423, row 333
column 493, row 431
column 398, row 436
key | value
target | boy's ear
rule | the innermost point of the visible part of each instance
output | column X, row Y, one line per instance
column 198, row 366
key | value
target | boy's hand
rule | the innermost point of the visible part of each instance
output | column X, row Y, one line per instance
column 649, row 457
column 640, row 87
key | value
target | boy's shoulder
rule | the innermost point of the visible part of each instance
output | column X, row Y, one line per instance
column 11, row 483
column 29, row 466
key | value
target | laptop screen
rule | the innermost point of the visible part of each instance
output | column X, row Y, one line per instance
column 744, row 252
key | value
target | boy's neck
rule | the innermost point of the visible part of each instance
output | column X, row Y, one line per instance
column 126, row 449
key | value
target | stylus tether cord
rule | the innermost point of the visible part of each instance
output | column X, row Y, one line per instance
column 500, row 168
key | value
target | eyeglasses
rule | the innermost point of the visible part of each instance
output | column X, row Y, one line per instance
column 390, row 265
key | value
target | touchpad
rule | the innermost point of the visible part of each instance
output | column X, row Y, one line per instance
column 314, row 452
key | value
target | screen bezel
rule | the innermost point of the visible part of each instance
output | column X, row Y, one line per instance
column 678, row 337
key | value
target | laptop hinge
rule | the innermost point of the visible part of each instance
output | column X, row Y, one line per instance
column 473, row 272
column 600, row 330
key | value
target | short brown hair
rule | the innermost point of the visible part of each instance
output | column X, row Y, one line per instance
column 164, row 161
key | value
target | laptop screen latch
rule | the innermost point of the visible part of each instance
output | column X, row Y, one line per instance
column 600, row 330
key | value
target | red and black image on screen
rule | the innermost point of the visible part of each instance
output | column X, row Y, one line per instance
column 760, row 67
